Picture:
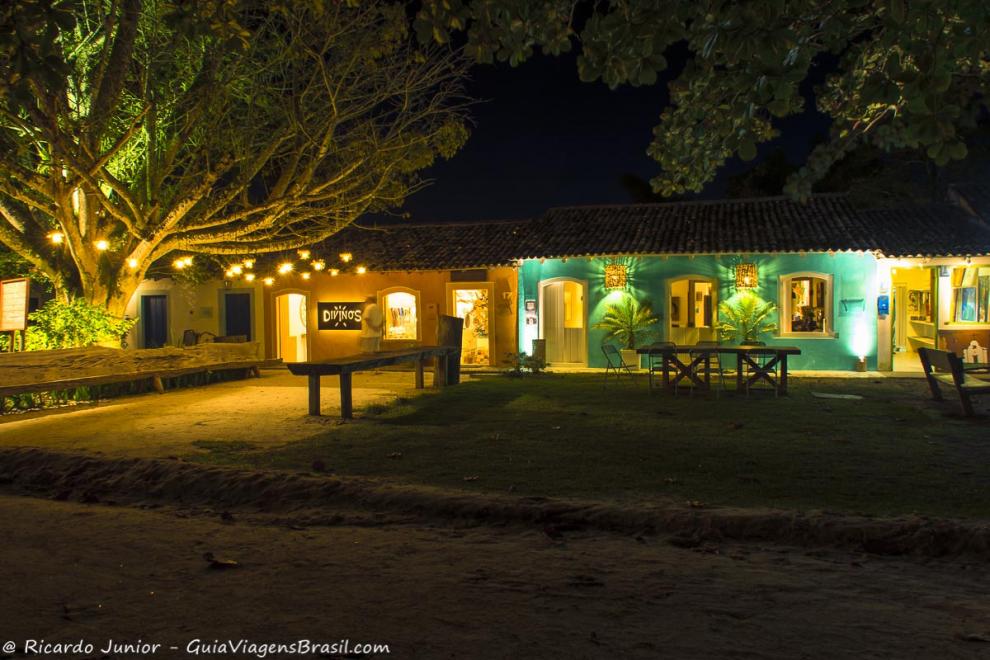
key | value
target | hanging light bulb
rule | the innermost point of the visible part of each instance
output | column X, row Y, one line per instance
column 56, row 237
column 249, row 277
column 361, row 270
column 236, row 270
column 132, row 263
column 249, row 263
column 319, row 265
column 188, row 260
column 346, row 256
column 334, row 272
column 179, row 264
column 304, row 254
column 102, row 245
column 269, row 281
column 285, row 268
column 305, row 275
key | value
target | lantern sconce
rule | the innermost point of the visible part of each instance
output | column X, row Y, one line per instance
column 746, row 276
column 615, row 277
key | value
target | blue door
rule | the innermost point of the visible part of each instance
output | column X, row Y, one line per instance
column 237, row 314
column 154, row 320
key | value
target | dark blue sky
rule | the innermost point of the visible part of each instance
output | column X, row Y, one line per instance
column 543, row 138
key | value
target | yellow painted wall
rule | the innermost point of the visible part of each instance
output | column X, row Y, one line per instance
column 193, row 307
column 431, row 285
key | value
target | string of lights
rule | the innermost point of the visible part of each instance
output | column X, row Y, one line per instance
column 303, row 266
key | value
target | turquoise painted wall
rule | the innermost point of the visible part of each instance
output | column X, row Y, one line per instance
column 853, row 298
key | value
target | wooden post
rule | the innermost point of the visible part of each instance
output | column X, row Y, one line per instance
column 346, row 402
column 156, row 382
column 449, row 332
column 314, row 395
column 419, row 373
column 440, row 371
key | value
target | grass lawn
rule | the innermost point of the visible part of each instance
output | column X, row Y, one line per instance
column 891, row 452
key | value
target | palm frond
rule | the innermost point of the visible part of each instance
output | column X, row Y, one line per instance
column 627, row 321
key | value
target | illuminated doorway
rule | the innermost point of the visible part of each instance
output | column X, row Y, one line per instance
column 563, row 316
column 473, row 303
column 913, row 322
column 691, row 309
column 291, row 327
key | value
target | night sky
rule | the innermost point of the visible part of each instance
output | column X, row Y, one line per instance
column 542, row 138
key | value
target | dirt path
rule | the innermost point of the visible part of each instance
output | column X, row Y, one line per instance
column 264, row 411
column 94, row 572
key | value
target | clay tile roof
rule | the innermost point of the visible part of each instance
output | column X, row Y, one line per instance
column 824, row 223
column 412, row 247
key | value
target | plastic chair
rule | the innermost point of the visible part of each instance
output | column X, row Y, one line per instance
column 614, row 363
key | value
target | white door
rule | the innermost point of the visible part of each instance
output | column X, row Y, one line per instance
column 564, row 322
column 291, row 335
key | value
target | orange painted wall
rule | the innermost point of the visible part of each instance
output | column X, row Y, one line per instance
column 431, row 285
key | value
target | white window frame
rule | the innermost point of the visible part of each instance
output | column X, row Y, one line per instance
column 382, row 300
column 784, row 305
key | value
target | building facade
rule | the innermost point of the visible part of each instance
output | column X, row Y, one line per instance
column 848, row 285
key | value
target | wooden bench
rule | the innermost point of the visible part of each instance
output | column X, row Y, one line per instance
column 346, row 366
column 944, row 367
column 157, row 377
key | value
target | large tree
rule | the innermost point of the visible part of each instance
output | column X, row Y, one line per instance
column 135, row 132
column 901, row 74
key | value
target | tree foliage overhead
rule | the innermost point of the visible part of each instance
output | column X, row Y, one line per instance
column 214, row 127
column 905, row 74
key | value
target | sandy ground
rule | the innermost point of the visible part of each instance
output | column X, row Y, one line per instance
column 266, row 410
column 430, row 590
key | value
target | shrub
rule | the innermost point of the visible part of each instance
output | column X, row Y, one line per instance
column 523, row 361
column 746, row 317
column 60, row 324
column 628, row 323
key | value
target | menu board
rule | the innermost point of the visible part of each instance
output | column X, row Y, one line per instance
column 14, row 304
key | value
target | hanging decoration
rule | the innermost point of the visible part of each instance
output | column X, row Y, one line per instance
column 615, row 277
column 746, row 276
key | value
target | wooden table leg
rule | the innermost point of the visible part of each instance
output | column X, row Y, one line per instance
column 419, row 374
column 927, row 366
column 314, row 395
column 783, row 374
column 346, row 402
column 739, row 372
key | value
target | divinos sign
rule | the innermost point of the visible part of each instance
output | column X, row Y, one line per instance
column 339, row 315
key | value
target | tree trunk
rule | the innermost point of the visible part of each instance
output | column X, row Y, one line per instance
column 114, row 301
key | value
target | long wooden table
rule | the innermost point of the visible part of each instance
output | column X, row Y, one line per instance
column 748, row 369
column 346, row 366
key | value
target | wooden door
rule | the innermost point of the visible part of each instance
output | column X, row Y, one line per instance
column 564, row 322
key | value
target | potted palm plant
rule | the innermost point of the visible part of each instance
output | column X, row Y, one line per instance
column 745, row 318
column 628, row 323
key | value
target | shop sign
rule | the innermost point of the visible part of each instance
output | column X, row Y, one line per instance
column 339, row 315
